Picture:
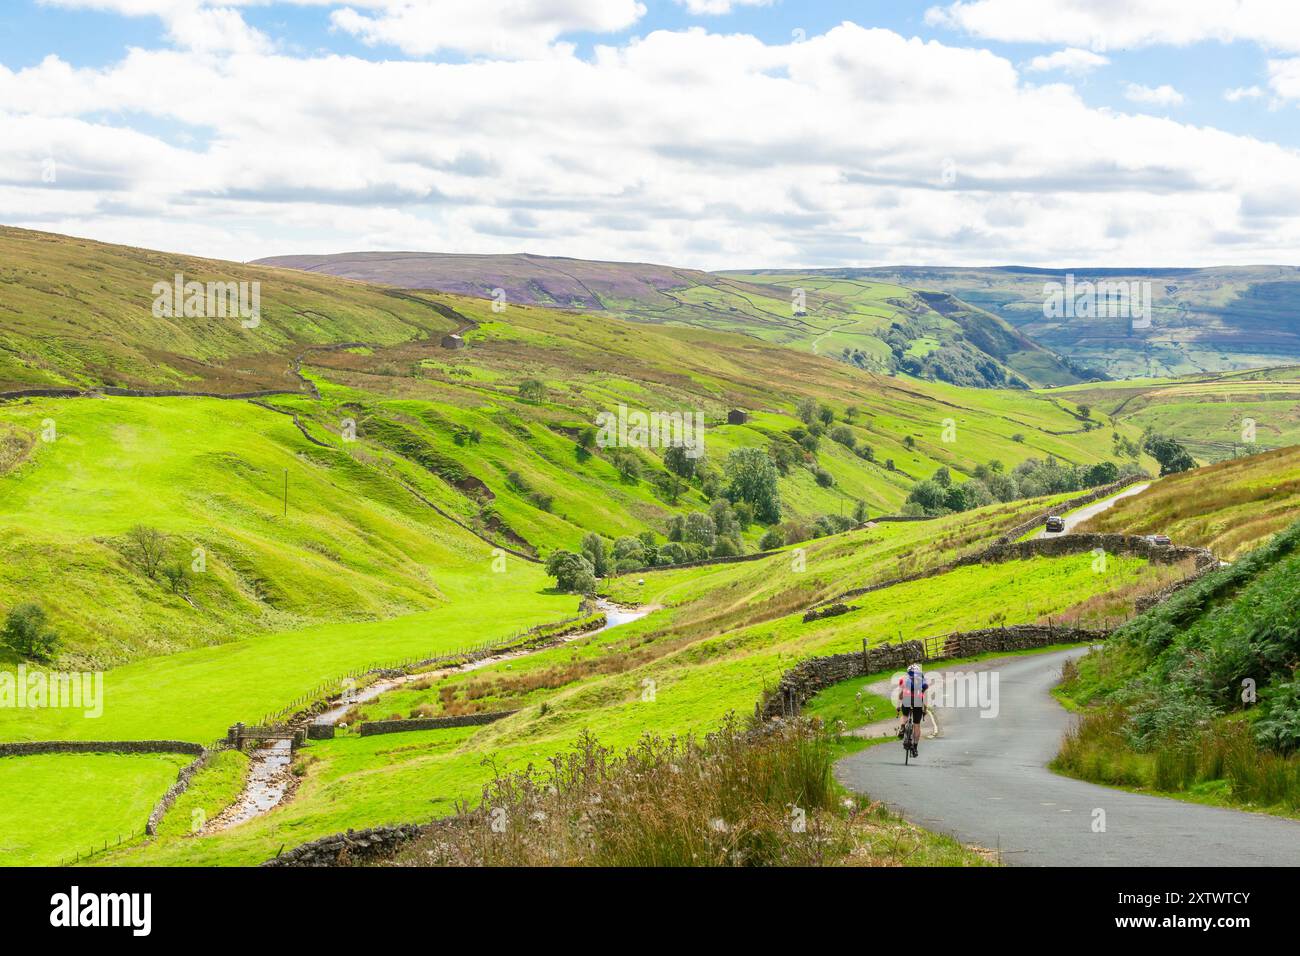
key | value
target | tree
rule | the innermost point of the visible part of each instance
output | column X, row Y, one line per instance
column 572, row 572
column 772, row 538
column 860, row 511
column 629, row 547
column 824, row 478
column 531, row 390
column 176, row 574
column 1173, row 457
column 27, row 633
column 679, row 462
column 700, row 529
column 1102, row 473
column 909, row 441
column 929, row 495
column 145, row 548
column 943, row 477
column 826, row 414
column 626, row 463
column 807, row 410
column 751, row 477
column 844, row 435
column 670, row 487
column 593, row 549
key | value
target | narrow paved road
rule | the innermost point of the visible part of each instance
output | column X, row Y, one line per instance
column 1097, row 507
column 985, row 781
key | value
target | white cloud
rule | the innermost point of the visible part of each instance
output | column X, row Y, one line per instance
column 1284, row 78
column 1115, row 24
column 1237, row 94
column 717, row 7
column 215, row 30
column 500, row 28
column 511, row 28
column 681, row 147
column 1162, row 95
column 1073, row 61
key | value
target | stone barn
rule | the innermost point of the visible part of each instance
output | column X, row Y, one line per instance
column 737, row 417
column 453, row 341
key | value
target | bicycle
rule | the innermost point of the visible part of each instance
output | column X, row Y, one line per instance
column 909, row 748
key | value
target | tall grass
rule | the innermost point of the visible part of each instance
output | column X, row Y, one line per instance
column 1225, row 752
column 763, row 797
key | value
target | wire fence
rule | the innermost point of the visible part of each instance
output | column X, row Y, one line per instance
column 99, row 849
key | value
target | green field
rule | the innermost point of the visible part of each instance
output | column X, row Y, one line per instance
column 58, row 805
column 1219, row 416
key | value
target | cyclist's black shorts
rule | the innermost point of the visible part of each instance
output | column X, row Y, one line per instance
column 916, row 712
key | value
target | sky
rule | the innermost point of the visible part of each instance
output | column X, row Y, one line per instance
column 703, row 133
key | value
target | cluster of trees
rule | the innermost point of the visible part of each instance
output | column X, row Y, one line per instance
column 150, row 551
column 991, row 483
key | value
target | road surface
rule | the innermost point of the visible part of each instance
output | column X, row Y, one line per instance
column 1096, row 508
column 985, row 781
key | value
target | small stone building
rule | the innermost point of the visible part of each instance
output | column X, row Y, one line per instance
column 453, row 341
column 737, row 417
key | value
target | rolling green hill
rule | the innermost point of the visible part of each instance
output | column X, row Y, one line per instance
column 933, row 336
column 1215, row 415
column 1203, row 320
column 356, row 518
column 77, row 313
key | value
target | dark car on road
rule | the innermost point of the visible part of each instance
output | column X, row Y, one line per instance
column 1055, row 524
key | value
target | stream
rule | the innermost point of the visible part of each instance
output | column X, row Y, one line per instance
column 269, row 776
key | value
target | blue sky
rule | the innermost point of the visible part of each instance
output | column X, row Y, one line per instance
column 1143, row 77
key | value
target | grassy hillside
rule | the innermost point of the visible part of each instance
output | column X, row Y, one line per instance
column 409, row 452
column 1198, row 697
column 1229, row 508
column 77, row 313
column 1203, row 320
column 722, row 635
column 842, row 318
column 1208, row 412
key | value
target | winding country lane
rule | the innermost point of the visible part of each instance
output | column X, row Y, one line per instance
column 1076, row 518
column 985, row 781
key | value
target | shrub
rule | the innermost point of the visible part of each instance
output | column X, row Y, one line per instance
column 772, row 538
column 27, row 633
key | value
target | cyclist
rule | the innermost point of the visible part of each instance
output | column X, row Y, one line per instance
column 911, row 701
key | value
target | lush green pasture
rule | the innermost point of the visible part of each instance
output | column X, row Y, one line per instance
column 195, row 695
column 55, row 805
column 355, row 546
column 647, row 676
column 1208, row 413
